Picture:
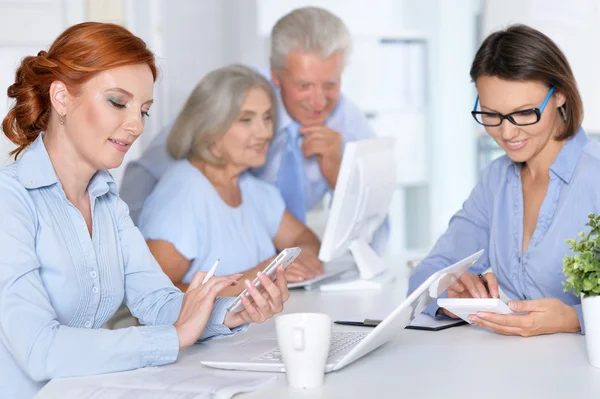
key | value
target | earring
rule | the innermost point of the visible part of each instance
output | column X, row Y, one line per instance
column 62, row 118
column 563, row 112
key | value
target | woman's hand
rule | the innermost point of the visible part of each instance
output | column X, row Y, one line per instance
column 294, row 233
column 198, row 302
column 264, row 304
column 541, row 316
column 471, row 286
column 305, row 267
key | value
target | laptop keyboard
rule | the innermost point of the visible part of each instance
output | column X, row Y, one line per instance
column 340, row 341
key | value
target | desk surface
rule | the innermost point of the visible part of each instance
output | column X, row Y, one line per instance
column 461, row 362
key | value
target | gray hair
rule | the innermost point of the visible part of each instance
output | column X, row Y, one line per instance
column 211, row 109
column 310, row 29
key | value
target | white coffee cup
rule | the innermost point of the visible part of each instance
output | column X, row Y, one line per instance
column 304, row 340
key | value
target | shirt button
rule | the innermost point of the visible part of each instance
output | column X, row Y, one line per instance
column 93, row 274
column 95, row 290
column 88, row 324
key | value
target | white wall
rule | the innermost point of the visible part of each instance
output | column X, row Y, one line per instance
column 452, row 132
column 362, row 18
column 25, row 27
column 191, row 38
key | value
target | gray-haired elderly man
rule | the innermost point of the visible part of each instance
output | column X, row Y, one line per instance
column 309, row 47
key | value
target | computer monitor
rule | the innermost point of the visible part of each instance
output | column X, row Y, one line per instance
column 361, row 202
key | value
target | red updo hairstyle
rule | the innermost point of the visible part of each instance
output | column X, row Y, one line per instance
column 75, row 57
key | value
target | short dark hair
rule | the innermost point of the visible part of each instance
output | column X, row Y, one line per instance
column 521, row 53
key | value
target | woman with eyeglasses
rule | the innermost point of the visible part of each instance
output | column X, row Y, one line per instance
column 530, row 200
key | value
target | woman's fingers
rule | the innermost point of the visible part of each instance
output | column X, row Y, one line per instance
column 274, row 298
column 196, row 280
column 252, row 312
column 196, row 283
column 197, row 306
column 474, row 286
column 212, row 287
column 458, row 287
column 258, row 299
column 282, row 283
column 263, row 304
column 471, row 286
column 492, row 284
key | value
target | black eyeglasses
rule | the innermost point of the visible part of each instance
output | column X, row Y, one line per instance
column 524, row 117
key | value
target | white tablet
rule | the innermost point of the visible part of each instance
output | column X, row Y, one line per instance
column 285, row 258
column 464, row 307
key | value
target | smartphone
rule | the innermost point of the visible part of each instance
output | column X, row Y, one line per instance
column 285, row 258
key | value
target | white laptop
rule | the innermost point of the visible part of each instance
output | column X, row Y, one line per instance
column 262, row 354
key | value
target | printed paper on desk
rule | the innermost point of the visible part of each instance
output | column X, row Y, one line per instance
column 170, row 382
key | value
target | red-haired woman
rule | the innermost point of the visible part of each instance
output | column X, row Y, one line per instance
column 69, row 253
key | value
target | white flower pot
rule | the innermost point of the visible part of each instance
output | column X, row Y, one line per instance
column 591, row 318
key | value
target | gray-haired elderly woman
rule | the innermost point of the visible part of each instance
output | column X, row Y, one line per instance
column 208, row 206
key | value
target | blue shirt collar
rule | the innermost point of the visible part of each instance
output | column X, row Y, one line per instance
column 284, row 120
column 568, row 157
column 35, row 170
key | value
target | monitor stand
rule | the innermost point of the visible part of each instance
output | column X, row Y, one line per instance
column 373, row 273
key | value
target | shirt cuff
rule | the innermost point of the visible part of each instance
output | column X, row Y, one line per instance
column 160, row 345
column 580, row 317
column 215, row 329
column 432, row 308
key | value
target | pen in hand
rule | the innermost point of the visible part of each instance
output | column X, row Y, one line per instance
column 211, row 272
column 485, row 284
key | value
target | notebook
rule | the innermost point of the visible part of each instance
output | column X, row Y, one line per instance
column 421, row 322
column 428, row 323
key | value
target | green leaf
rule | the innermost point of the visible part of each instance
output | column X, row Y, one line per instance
column 582, row 268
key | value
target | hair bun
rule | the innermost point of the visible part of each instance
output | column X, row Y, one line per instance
column 11, row 92
column 75, row 57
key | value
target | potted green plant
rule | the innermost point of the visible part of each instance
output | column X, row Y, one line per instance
column 582, row 270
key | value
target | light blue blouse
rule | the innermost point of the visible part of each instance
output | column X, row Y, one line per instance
column 492, row 219
column 58, row 285
column 185, row 209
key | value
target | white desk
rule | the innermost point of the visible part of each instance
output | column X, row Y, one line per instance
column 462, row 362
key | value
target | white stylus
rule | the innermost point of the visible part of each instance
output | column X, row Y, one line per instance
column 211, row 272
